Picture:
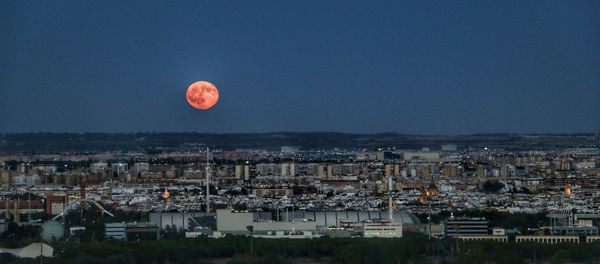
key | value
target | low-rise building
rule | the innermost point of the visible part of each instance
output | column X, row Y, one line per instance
column 497, row 231
column 272, row 192
column 462, row 226
column 591, row 239
column 484, row 238
column 132, row 231
column 548, row 239
column 114, row 230
column 382, row 228
column 237, row 222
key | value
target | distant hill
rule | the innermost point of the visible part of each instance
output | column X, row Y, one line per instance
column 92, row 142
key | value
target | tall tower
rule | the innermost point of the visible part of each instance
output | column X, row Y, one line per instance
column 390, row 210
column 6, row 211
column 207, row 181
column 82, row 193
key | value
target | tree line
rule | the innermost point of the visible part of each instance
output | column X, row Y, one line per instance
column 413, row 248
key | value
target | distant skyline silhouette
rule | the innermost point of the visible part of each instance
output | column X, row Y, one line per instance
column 435, row 67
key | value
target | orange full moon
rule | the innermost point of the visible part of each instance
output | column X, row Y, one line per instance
column 202, row 95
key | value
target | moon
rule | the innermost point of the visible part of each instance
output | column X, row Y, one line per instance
column 202, row 95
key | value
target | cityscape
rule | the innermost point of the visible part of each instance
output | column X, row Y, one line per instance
column 297, row 132
column 200, row 189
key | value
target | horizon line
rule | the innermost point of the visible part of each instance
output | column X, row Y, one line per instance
column 307, row 132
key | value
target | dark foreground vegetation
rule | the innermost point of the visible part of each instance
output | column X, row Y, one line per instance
column 92, row 247
column 236, row 249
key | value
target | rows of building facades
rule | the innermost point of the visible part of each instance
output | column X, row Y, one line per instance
column 357, row 179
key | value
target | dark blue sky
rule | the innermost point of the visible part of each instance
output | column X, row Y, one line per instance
column 429, row 67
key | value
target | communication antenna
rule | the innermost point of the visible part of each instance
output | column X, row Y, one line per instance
column 29, row 206
column 390, row 209
column 207, row 181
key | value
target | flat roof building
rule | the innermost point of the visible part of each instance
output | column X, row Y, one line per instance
column 466, row 226
column 236, row 222
column 132, row 231
column 382, row 228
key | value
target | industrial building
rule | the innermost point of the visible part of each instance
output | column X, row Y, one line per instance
column 236, row 222
column 323, row 219
column 569, row 222
column 548, row 239
column 466, row 226
column 132, row 231
column 484, row 238
column 382, row 228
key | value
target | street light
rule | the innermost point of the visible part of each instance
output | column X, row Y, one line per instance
column 41, row 246
column 426, row 199
column 251, row 229
column 429, row 217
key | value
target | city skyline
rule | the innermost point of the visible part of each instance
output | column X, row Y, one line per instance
column 354, row 67
column 341, row 131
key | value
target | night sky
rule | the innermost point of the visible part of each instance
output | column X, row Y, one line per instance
column 426, row 67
